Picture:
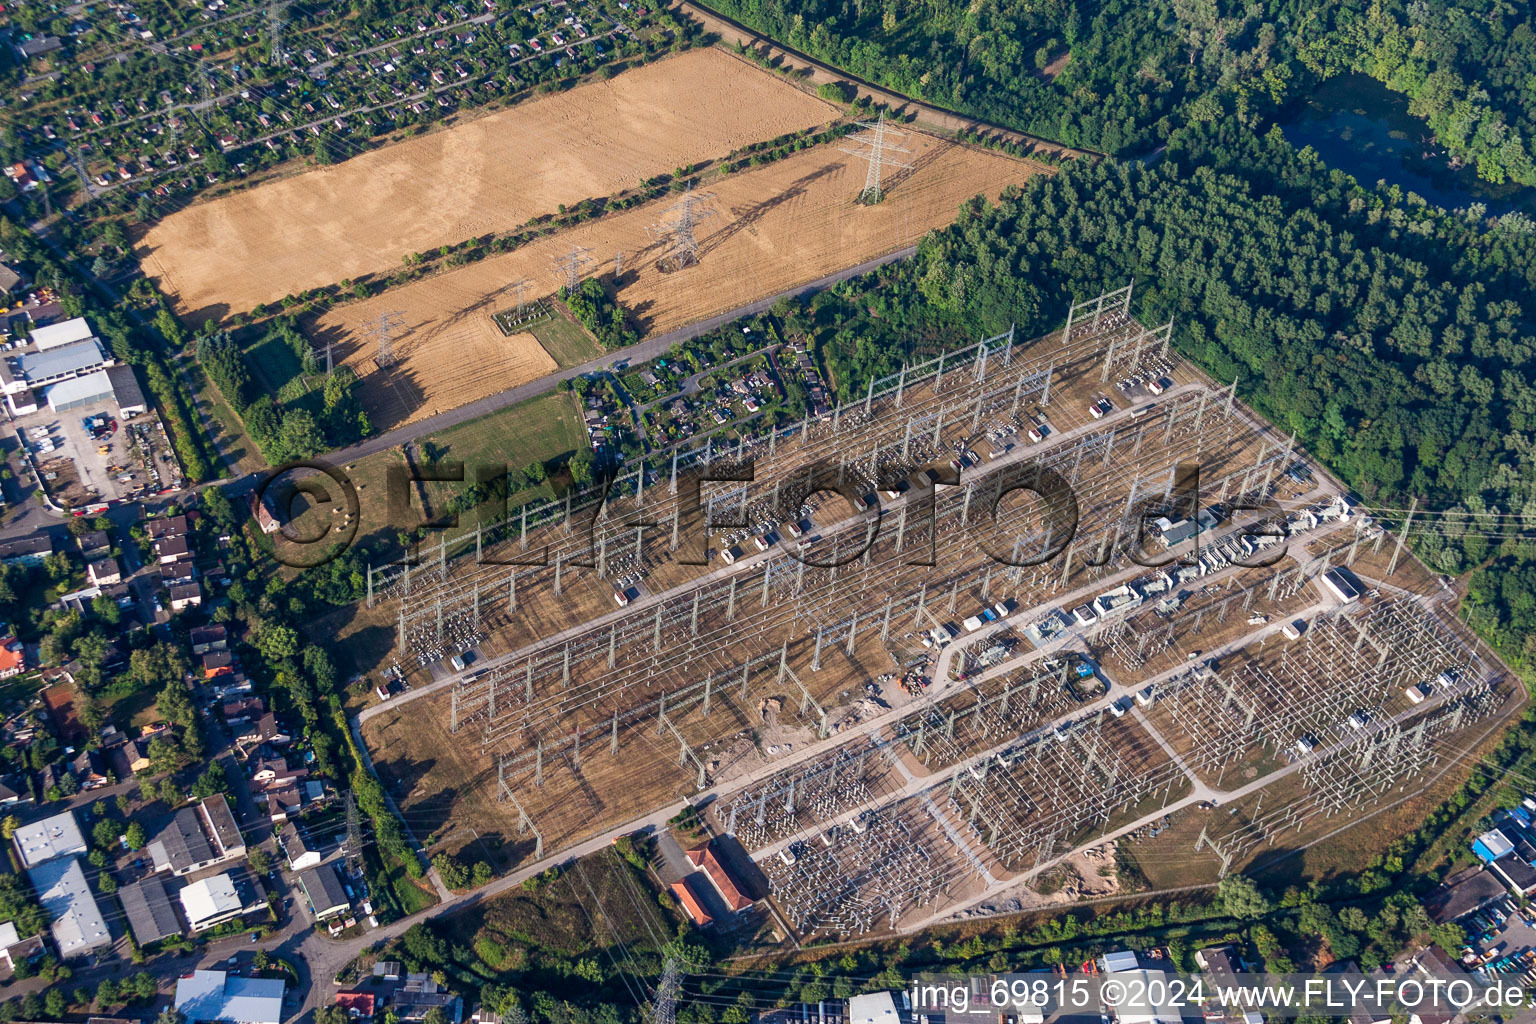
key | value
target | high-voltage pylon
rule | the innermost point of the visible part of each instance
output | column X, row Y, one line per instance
column 275, row 23
column 664, row 1007
column 679, row 225
column 518, row 287
column 878, row 145
column 571, row 265
column 381, row 330
column 352, row 846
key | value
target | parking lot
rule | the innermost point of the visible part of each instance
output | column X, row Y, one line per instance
column 114, row 459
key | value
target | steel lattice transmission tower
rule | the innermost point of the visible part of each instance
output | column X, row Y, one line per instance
column 664, row 1007
column 518, row 286
column 679, row 224
column 382, row 331
column 275, row 25
column 571, row 266
column 352, row 847
column 880, row 146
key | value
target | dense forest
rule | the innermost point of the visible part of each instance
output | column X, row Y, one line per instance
column 1395, row 339
column 1139, row 71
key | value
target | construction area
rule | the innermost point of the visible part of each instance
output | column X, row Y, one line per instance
column 490, row 174
column 977, row 620
column 672, row 262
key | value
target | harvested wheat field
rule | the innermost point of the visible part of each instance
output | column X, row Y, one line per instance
column 774, row 227
column 490, row 174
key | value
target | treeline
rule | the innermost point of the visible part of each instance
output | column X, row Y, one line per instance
column 1395, row 340
column 1120, row 76
column 286, row 429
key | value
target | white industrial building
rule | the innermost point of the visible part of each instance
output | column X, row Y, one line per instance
column 78, row 927
column 218, row 996
column 1146, row 1009
column 211, row 901
column 58, row 354
column 45, row 840
column 873, row 1008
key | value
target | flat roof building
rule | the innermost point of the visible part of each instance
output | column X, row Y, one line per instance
column 873, row 1008
column 216, row 996
column 149, row 910
column 87, row 389
column 211, row 901
column 323, row 889
column 65, row 332
column 78, row 927
column 45, row 840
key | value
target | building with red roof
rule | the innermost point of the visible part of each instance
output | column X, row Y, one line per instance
column 683, row 893
column 358, row 1004
column 705, row 859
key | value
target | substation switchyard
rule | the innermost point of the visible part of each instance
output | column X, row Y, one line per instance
column 1006, row 605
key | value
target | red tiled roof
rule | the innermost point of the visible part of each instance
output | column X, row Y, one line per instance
column 12, row 657
column 362, row 1002
column 705, row 858
column 691, row 904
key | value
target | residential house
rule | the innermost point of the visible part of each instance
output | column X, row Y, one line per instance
column 166, row 529
column 104, row 571
column 357, row 1004
column 265, row 517
column 208, row 638
column 28, row 550
column 13, row 657
column 301, row 853
column 242, row 708
column 14, row 792
column 172, row 549
column 87, row 768
column 186, row 595
column 420, row 994
column 219, row 663
column 16, row 950
column 130, row 758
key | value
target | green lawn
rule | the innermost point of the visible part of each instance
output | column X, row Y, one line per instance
column 272, row 363
column 545, row 428
column 567, row 343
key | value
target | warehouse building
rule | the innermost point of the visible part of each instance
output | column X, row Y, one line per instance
column 78, row 927
column 149, row 910
column 49, row 839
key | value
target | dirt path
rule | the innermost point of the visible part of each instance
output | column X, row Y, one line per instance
column 733, row 32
